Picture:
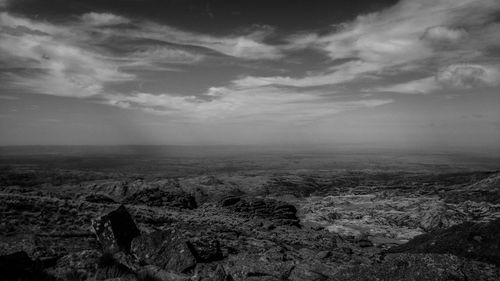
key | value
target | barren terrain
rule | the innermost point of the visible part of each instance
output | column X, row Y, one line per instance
column 145, row 213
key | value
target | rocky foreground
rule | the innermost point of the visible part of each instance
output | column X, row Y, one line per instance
column 254, row 227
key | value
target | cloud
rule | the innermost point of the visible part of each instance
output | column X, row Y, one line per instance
column 160, row 54
column 4, row 3
column 101, row 19
column 443, row 34
column 55, row 64
column 246, row 46
column 420, row 86
column 404, row 38
column 337, row 74
column 467, row 76
column 456, row 76
column 226, row 104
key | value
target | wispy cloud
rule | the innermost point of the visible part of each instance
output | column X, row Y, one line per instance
column 229, row 104
column 411, row 36
column 455, row 76
column 54, row 64
column 103, row 19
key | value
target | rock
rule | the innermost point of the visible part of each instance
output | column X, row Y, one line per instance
column 99, row 198
column 479, row 241
column 82, row 264
column 263, row 266
column 420, row 267
column 205, row 249
column 166, row 249
column 154, row 273
column 305, row 272
column 364, row 243
column 323, row 254
column 115, row 230
column 211, row 180
column 19, row 266
column 115, row 266
column 156, row 197
column 18, row 243
column 211, row 272
column 229, row 201
column 278, row 212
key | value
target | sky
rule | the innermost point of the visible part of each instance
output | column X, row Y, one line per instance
column 408, row 73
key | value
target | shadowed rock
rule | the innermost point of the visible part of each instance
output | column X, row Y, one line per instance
column 19, row 266
column 420, row 267
column 115, row 230
column 279, row 212
column 479, row 241
column 166, row 249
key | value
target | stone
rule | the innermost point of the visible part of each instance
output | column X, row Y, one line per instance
column 420, row 267
column 324, row 254
column 206, row 249
column 364, row 243
column 278, row 212
column 166, row 249
column 154, row 273
column 82, row 264
column 211, row 272
column 459, row 240
column 19, row 266
column 115, row 230
column 99, row 198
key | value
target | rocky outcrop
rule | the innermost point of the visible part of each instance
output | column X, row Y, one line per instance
column 420, row 267
column 99, row 198
column 278, row 212
column 166, row 249
column 170, row 250
column 162, row 198
column 115, row 230
column 81, row 265
column 478, row 241
column 485, row 190
column 19, row 266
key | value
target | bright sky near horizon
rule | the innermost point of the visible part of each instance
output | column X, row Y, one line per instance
column 410, row 73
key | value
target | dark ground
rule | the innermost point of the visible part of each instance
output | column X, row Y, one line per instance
column 247, row 213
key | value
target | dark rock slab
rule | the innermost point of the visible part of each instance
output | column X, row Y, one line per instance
column 479, row 241
column 115, row 230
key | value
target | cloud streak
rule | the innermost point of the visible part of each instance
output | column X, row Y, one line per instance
column 411, row 36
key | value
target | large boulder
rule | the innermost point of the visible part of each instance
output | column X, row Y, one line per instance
column 115, row 230
column 170, row 250
column 479, row 241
